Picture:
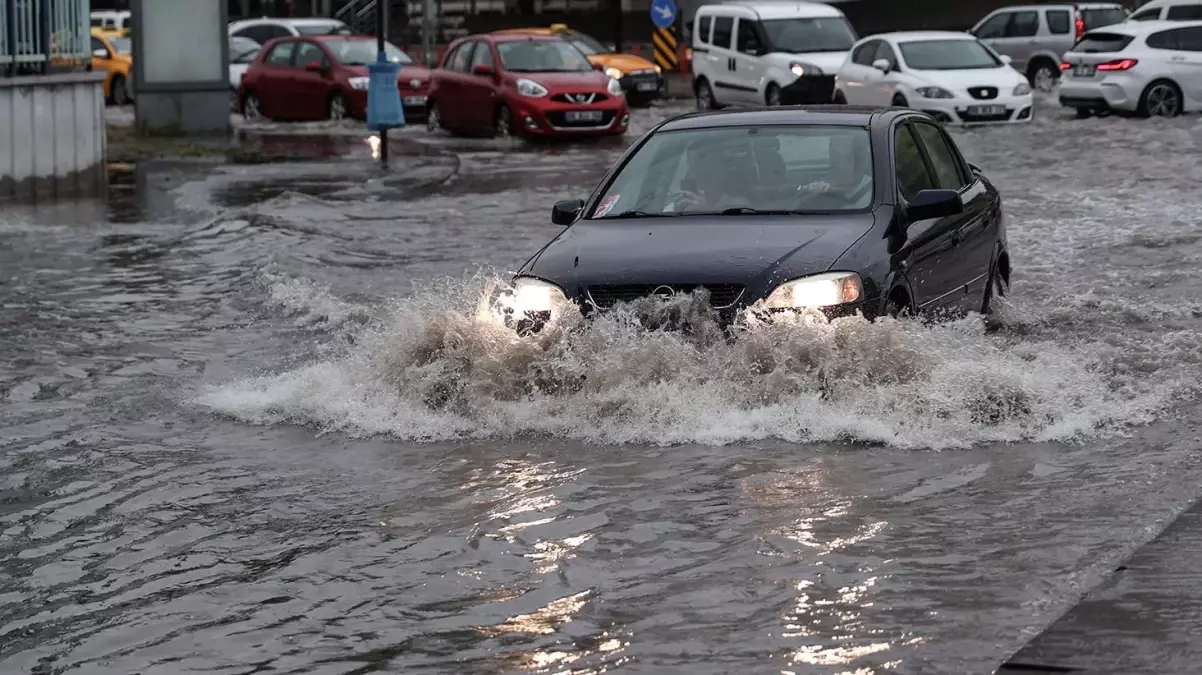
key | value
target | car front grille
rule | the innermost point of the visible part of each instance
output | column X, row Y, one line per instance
column 559, row 119
column 983, row 93
column 721, row 295
column 581, row 98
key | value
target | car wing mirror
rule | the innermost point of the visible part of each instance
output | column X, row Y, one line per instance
column 1006, row 59
column 565, row 212
column 881, row 65
column 482, row 69
column 930, row 204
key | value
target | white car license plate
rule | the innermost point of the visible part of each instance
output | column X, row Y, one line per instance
column 646, row 86
column 583, row 116
column 987, row 110
column 414, row 100
column 1083, row 70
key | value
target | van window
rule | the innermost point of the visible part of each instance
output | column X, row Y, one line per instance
column 723, row 31
column 1023, row 24
column 748, row 41
column 703, row 29
column 1184, row 12
column 804, row 36
column 1100, row 18
column 1058, row 21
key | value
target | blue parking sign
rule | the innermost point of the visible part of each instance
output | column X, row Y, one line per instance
column 663, row 13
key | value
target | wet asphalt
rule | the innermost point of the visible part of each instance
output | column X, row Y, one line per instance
column 251, row 424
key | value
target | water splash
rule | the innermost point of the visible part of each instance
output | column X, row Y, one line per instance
column 437, row 368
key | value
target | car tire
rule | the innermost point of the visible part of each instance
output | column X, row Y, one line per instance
column 772, row 95
column 1083, row 113
column 337, row 108
column 433, row 117
column 1043, row 75
column 252, row 106
column 705, row 97
column 503, row 126
column 899, row 101
column 119, row 91
column 839, row 98
column 233, row 100
column 1161, row 98
column 996, row 287
column 895, row 307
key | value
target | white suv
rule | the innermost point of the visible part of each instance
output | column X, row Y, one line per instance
column 262, row 30
column 767, row 53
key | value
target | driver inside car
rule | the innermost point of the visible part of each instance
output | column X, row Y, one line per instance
column 712, row 183
column 849, row 181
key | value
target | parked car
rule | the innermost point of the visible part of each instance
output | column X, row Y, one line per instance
column 114, row 22
column 242, row 52
column 836, row 210
column 1169, row 10
column 642, row 80
column 524, row 85
column 953, row 77
column 114, row 55
column 324, row 77
column 264, row 29
column 1153, row 68
column 757, row 53
column 1035, row 36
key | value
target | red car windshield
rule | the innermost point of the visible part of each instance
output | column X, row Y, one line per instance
column 363, row 52
column 542, row 56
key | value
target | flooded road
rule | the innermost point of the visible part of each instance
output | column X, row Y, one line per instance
column 251, row 426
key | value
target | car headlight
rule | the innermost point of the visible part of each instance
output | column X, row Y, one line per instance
column 531, row 88
column 658, row 70
column 358, row 83
column 613, row 72
column 532, row 296
column 614, row 87
column 799, row 69
column 933, row 92
column 816, row 292
column 1021, row 89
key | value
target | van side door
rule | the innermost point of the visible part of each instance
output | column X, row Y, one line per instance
column 749, row 67
column 724, row 67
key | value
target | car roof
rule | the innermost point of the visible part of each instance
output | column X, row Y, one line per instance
column 1138, row 28
column 1156, row 4
column 317, row 21
column 780, row 9
column 519, row 37
column 912, row 35
column 827, row 115
column 1065, row 5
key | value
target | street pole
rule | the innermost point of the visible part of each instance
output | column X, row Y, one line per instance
column 428, row 36
column 381, row 32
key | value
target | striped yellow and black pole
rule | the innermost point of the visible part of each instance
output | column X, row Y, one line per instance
column 664, row 40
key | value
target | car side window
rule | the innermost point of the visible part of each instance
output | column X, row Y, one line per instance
column 307, row 52
column 1058, row 21
column 449, row 57
column 275, row 31
column 463, row 56
column 1146, row 15
column 865, row 53
column 703, row 30
column 98, row 44
column 723, row 31
column 747, row 41
column 1024, row 24
column 281, row 54
column 912, row 174
column 1165, row 39
column 994, row 26
column 943, row 160
column 1184, row 13
column 481, row 56
column 1189, row 39
column 885, row 51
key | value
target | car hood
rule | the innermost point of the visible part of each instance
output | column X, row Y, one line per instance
column 756, row 251
column 1005, row 78
column 584, row 81
column 627, row 63
column 407, row 72
column 829, row 62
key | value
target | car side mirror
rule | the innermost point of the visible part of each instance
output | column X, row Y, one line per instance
column 314, row 67
column 482, row 69
column 565, row 212
column 599, row 66
column 934, row 204
column 881, row 65
column 100, row 53
column 1006, row 59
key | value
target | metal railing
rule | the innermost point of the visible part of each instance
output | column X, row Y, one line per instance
column 37, row 36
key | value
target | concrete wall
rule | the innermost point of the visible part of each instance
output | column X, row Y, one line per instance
column 51, row 135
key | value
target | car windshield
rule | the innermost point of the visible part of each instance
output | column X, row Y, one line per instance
column 541, row 56
column 122, row 45
column 801, row 36
column 947, row 55
column 744, row 171
column 1098, row 18
column 331, row 28
column 363, row 52
column 586, row 44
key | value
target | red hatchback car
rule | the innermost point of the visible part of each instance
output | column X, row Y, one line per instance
column 523, row 85
column 324, row 77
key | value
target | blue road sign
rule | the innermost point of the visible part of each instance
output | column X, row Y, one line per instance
column 384, row 109
column 663, row 13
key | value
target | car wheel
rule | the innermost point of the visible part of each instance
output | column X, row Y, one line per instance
column 995, row 288
column 1083, row 113
column 839, row 98
column 772, row 96
column 503, row 124
column 252, row 107
column 1162, row 98
column 233, row 100
column 705, row 97
column 433, row 117
column 897, row 307
column 120, row 92
column 1043, row 76
column 900, row 101
column 337, row 107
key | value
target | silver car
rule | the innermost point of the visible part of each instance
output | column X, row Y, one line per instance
column 1035, row 36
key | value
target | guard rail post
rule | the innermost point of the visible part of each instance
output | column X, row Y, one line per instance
column 10, row 15
column 44, row 19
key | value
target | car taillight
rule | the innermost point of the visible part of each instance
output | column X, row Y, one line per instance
column 1121, row 64
column 1065, row 65
column 1080, row 26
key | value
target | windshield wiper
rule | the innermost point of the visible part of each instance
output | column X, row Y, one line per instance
column 748, row 211
column 635, row 213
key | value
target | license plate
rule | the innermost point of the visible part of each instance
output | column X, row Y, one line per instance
column 987, row 110
column 646, row 86
column 1082, row 70
column 583, row 116
column 415, row 100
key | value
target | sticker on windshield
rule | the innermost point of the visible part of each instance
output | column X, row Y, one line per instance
column 606, row 205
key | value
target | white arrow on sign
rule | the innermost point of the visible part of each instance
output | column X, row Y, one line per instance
column 664, row 11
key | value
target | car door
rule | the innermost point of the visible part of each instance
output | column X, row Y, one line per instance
column 748, row 65
column 727, row 87
column 857, row 73
column 974, row 232
column 480, row 90
column 275, row 79
column 1187, row 62
column 445, row 89
column 992, row 29
column 884, row 86
column 1020, row 39
column 934, row 282
column 308, row 91
column 456, row 73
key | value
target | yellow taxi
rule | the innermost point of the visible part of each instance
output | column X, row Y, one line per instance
column 113, row 53
column 641, row 79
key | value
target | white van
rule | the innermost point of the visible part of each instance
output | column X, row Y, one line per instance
column 1168, row 10
column 112, row 20
column 754, row 53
